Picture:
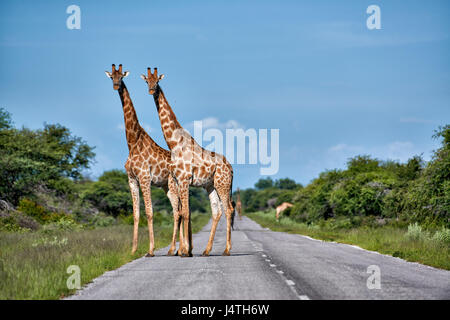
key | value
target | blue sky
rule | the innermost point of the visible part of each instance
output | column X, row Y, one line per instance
column 309, row 68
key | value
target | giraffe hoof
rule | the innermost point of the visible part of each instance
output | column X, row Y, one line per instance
column 226, row 253
column 205, row 254
column 170, row 253
column 149, row 255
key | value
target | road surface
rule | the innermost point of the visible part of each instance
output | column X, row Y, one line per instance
column 269, row 265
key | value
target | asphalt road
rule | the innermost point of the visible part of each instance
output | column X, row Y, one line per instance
column 269, row 265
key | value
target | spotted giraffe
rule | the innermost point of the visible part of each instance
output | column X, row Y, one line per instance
column 195, row 166
column 147, row 164
column 281, row 208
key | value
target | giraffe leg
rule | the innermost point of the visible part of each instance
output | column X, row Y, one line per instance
column 180, row 227
column 172, row 249
column 134, row 188
column 172, row 194
column 146, row 193
column 216, row 214
column 224, row 195
column 190, row 235
column 183, row 192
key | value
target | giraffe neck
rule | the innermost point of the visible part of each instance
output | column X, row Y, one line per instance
column 169, row 122
column 132, row 127
column 238, row 197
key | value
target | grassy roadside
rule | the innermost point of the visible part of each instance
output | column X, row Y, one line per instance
column 33, row 265
column 412, row 244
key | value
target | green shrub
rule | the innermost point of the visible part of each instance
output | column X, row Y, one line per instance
column 33, row 210
column 63, row 224
column 442, row 236
column 10, row 224
column 59, row 220
column 15, row 221
column 129, row 219
column 101, row 220
column 416, row 233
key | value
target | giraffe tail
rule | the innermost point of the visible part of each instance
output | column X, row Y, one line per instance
column 232, row 204
column 233, row 213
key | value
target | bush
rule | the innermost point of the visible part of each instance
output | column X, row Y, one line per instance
column 442, row 236
column 10, row 224
column 60, row 220
column 101, row 220
column 33, row 210
column 159, row 219
column 428, row 198
column 415, row 232
column 63, row 224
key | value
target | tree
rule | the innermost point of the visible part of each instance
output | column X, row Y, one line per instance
column 32, row 157
column 264, row 183
column 362, row 163
column 428, row 200
column 110, row 194
column 5, row 119
column 286, row 184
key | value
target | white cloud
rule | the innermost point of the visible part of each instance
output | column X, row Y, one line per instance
column 215, row 123
column 147, row 127
column 415, row 120
column 338, row 147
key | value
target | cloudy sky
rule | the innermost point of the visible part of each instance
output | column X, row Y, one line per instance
column 311, row 69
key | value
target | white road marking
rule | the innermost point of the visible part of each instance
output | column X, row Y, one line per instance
column 290, row 282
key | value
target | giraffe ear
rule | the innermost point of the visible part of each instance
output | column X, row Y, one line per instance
column 161, row 77
column 126, row 74
column 143, row 77
column 108, row 74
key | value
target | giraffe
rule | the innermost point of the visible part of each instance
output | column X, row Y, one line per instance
column 196, row 166
column 281, row 208
column 238, row 204
column 147, row 164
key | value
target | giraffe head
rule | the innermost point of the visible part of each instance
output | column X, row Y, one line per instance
column 152, row 80
column 116, row 76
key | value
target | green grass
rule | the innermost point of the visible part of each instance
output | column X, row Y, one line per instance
column 412, row 244
column 33, row 264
